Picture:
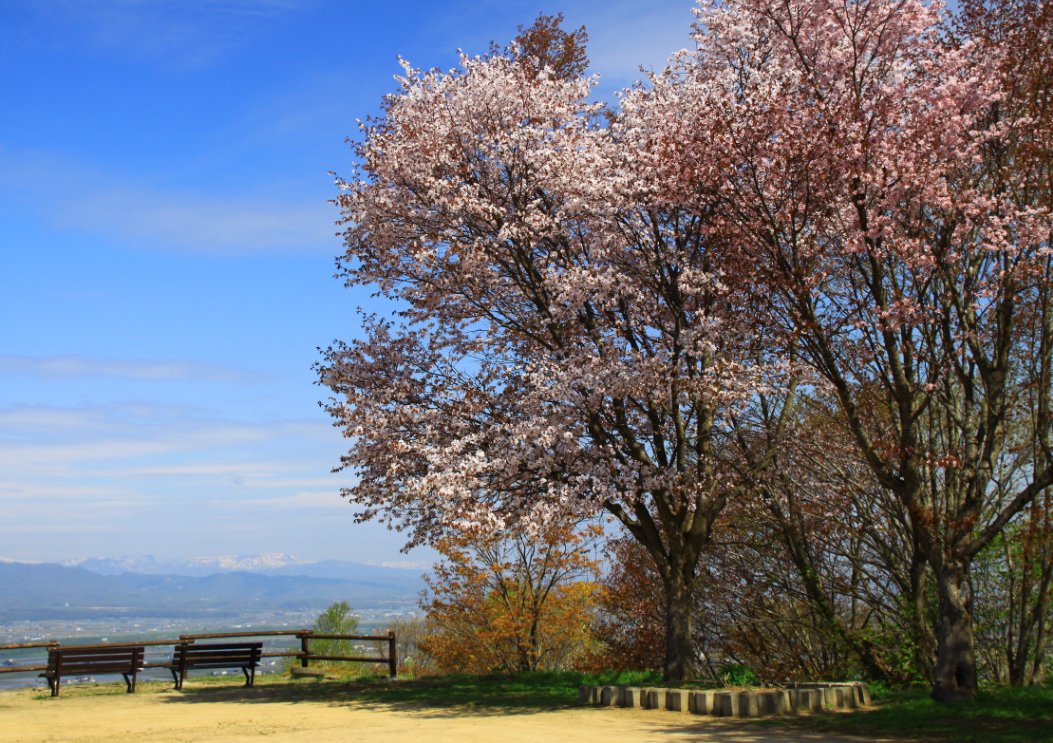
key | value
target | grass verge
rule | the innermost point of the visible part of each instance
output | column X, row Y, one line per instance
column 1001, row 715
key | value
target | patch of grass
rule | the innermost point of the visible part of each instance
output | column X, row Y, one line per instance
column 622, row 678
column 1000, row 715
column 532, row 690
column 500, row 693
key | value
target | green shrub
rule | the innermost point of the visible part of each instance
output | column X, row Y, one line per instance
column 735, row 674
column 613, row 677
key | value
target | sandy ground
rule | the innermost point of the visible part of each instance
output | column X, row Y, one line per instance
column 158, row 714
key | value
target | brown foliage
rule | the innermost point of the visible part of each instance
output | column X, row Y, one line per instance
column 545, row 45
column 631, row 624
column 510, row 603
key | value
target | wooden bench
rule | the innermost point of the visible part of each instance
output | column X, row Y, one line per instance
column 92, row 659
column 243, row 655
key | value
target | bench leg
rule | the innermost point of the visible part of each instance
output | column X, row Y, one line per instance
column 53, row 683
column 129, row 682
column 250, row 675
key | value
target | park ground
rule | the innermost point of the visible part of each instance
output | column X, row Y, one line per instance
column 508, row 711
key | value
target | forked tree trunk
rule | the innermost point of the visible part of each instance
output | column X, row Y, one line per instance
column 954, row 677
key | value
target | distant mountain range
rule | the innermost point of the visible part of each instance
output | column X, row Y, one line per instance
column 199, row 566
column 212, row 587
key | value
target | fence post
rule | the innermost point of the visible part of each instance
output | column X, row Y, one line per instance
column 303, row 647
column 393, row 661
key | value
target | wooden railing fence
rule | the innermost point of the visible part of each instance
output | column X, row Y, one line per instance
column 304, row 654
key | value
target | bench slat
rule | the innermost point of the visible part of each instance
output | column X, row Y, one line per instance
column 98, row 658
column 70, row 667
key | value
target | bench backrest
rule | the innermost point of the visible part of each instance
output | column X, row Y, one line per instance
column 74, row 660
column 219, row 655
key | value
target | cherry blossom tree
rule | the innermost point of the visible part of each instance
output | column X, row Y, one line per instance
column 880, row 172
column 564, row 342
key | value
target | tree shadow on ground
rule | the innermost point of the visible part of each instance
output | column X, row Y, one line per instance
column 443, row 699
column 437, row 697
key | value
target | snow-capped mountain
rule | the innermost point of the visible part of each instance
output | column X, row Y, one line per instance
column 191, row 566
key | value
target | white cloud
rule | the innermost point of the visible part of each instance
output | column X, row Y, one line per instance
column 203, row 223
column 76, row 366
column 151, row 217
column 30, row 494
column 308, row 499
column 404, row 564
column 125, row 476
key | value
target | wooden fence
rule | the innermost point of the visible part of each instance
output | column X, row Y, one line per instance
column 304, row 654
column 26, row 646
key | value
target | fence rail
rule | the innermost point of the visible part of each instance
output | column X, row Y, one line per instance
column 26, row 646
column 247, row 633
column 304, row 654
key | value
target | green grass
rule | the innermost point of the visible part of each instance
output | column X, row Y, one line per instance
column 996, row 716
column 499, row 694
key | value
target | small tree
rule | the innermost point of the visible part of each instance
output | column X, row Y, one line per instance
column 413, row 661
column 630, row 624
column 337, row 619
column 510, row 603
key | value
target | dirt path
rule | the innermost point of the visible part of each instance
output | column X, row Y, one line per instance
column 159, row 715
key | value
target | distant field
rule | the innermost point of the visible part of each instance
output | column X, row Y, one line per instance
column 38, row 656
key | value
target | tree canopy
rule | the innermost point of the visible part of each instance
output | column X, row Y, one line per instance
column 620, row 310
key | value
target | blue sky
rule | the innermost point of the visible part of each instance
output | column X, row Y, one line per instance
column 168, row 256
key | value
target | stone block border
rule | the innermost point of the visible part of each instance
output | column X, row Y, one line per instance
column 795, row 699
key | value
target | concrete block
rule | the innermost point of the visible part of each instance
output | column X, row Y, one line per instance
column 653, row 698
column 845, row 697
column 629, row 697
column 749, row 704
column 677, row 700
column 774, row 702
column 702, row 702
column 726, row 704
column 827, row 699
column 806, row 700
column 298, row 672
column 802, row 698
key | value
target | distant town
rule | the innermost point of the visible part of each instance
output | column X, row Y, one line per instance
column 146, row 598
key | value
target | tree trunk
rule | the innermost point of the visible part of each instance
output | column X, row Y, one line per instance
column 679, row 661
column 954, row 677
column 924, row 642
